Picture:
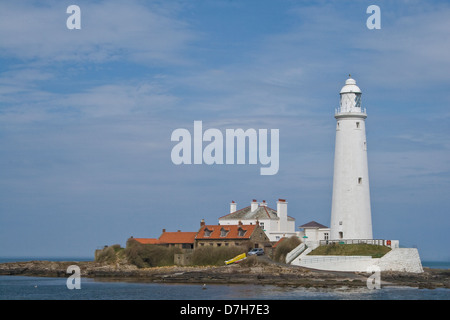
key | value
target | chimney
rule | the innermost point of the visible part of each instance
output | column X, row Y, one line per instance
column 282, row 214
column 164, row 230
column 202, row 223
column 232, row 207
column 254, row 205
column 263, row 204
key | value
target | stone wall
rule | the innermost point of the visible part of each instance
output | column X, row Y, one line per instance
column 401, row 259
column 182, row 259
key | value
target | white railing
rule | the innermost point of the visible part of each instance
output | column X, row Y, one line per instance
column 295, row 252
column 379, row 242
column 338, row 110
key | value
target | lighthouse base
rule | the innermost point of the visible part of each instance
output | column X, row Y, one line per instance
column 398, row 259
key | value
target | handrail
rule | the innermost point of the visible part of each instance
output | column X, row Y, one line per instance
column 295, row 252
column 379, row 242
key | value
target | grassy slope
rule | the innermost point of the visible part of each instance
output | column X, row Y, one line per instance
column 351, row 250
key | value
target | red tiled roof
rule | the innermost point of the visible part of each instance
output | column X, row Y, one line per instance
column 177, row 237
column 147, row 240
column 170, row 238
column 278, row 242
column 230, row 231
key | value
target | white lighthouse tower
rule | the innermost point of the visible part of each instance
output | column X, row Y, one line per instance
column 351, row 216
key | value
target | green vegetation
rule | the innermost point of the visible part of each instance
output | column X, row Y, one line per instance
column 149, row 255
column 216, row 256
column 284, row 247
column 361, row 249
column 110, row 254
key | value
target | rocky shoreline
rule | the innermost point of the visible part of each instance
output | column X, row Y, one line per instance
column 263, row 274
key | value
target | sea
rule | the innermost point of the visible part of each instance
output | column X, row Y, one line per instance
column 48, row 288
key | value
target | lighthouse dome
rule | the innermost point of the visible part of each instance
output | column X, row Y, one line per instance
column 350, row 87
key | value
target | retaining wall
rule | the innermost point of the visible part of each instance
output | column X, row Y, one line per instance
column 398, row 259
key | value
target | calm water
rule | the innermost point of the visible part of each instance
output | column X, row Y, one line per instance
column 41, row 288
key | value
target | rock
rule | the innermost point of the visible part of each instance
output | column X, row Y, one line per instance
column 264, row 274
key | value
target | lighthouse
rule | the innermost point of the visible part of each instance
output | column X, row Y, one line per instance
column 351, row 216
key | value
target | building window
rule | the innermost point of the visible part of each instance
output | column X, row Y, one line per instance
column 261, row 224
column 208, row 232
column 325, row 236
column 341, row 235
column 360, row 180
column 365, row 146
column 223, row 232
column 340, row 223
column 357, row 125
column 241, row 232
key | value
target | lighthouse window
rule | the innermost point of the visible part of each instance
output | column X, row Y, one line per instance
column 359, row 180
column 358, row 100
column 357, row 125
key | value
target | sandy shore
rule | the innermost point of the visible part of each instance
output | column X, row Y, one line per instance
column 264, row 274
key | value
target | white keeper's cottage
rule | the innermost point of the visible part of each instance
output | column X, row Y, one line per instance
column 275, row 223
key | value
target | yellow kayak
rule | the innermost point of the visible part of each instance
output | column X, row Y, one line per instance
column 236, row 259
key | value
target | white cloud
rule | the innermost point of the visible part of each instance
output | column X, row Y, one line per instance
column 110, row 30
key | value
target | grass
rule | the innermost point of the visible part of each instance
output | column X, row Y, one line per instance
column 109, row 254
column 284, row 247
column 361, row 249
column 215, row 255
column 148, row 255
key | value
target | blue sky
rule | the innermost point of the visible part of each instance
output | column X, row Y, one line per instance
column 86, row 115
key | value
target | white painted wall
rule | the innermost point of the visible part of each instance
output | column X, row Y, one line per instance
column 315, row 234
column 398, row 259
column 282, row 215
column 271, row 227
column 275, row 229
